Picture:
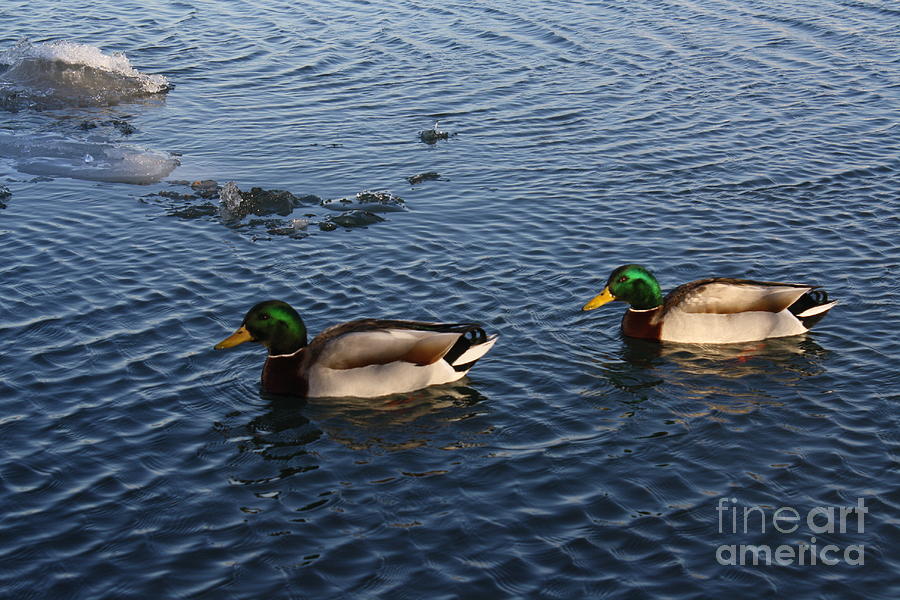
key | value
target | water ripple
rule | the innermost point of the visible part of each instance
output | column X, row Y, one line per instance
column 705, row 138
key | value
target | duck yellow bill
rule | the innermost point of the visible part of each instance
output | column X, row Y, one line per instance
column 599, row 300
column 238, row 337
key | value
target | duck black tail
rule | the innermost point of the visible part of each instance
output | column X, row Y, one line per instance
column 472, row 336
column 811, row 307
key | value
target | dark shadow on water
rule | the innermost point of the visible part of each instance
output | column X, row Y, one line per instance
column 281, row 433
column 281, row 436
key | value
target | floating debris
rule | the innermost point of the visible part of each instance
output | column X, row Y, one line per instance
column 367, row 201
column 349, row 219
column 429, row 176
column 195, row 211
column 176, row 195
column 431, row 136
column 235, row 208
column 122, row 126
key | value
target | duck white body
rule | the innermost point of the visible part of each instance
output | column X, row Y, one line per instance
column 723, row 313
column 693, row 328
column 392, row 361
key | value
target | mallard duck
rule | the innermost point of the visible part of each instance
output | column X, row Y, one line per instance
column 712, row 311
column 363, row 358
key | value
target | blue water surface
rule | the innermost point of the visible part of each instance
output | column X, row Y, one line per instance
column 701, row 138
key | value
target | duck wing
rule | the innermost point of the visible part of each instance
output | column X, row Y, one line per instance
column 380, row 341
column 729, row 296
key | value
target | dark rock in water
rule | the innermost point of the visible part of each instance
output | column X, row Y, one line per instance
column 206, row 188
column 237, row 208
column 176, row 195
column 269, row 202
column 368, row 201
column 195, row 211
column 248, row 210
column 231, row 203
column 204, row 183
column 429, row 176
column 431, row 136
column 4, row 194
column 234, row 204
column 351, row 218
column 288, row 231
column 124, row 127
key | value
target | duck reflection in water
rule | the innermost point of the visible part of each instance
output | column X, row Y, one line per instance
column 727, row 373
column 425, row 417
column 798, row 354
column 395, row 422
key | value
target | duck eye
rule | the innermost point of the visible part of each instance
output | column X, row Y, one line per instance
column 623, row 279
column 264, row 317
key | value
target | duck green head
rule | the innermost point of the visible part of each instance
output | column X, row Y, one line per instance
column 632, row 284
column 272, row 323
